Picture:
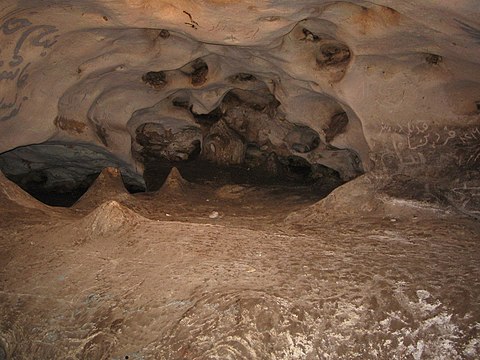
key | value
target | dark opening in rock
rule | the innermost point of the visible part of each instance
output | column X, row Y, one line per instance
column 310, row 36
column 328, row 177
column 337, row 125
column 200, row 71
column 297, row 165
column 59, row 173
column 208, row 119
column 164, row 34
column 156, row 79
column 181, row 103
column 333, row 54
column 243, row 77
column 247, row 139
column 434, row 59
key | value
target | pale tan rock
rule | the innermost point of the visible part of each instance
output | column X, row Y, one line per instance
column 406, row 75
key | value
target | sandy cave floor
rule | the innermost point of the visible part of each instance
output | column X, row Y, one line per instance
column 161, row 276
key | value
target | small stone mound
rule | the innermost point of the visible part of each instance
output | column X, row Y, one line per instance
column 12, row 193
column 110, row 218
column 175, row 184
column 107, row 186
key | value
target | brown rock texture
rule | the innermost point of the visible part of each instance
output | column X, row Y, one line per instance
column 312, row 172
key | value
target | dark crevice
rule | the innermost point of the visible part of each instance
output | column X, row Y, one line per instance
column 199, row 72
column 337, row 125
column 156, row 79
column 333, row 55
column 164, row 34
column 229, row 145
column 310, row 36
column 208, row 119
column 289, row 171
column 433, row 59
column 181, row 103
column 243, row 77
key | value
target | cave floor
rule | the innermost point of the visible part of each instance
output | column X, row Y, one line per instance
column 174, row 276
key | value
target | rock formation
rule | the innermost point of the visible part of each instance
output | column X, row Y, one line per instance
column 108, row 219
column 350, row 86
column 175, row 184
column 108, row 186
column 330, row 200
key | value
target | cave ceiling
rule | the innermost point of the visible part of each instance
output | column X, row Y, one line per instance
column 348, row 85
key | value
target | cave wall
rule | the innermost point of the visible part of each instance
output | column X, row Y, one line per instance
column 397, row 83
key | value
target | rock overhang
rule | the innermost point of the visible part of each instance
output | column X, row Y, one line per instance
column 385, row 85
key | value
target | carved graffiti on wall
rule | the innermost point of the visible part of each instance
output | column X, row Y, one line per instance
column 13, row 67
column 414, row 142
column 421, row 134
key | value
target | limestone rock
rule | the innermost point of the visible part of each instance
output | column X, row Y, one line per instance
column 107, row 187
column 109, row 219
column 302, row 139
column 158, row 141
column 174, row 185
column 224, row 146
column 387, row 86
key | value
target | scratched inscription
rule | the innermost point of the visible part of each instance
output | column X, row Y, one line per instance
column 418, row 143
column 420, row 134
column 20, row 33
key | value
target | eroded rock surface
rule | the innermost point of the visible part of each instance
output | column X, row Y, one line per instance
column 396, row 89
column 156, row 276
column 63, row 169
column 318, row 92
column 108, row 186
